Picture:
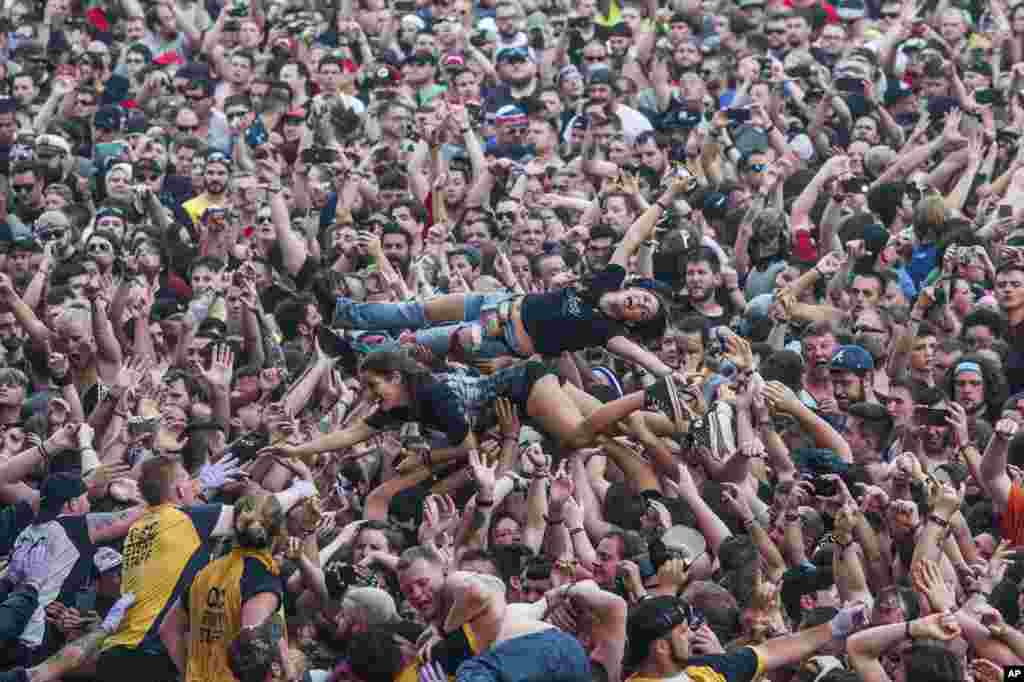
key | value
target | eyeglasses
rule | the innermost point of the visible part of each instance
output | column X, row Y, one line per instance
column 19, row 189
column 188, row 129
column 774, row 31
column 234, row 115
column 100, row 247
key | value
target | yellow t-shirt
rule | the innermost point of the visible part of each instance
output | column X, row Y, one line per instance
column 196, row 206
column 215, row 601
column 162, row 553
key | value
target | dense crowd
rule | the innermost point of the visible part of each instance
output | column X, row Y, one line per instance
column 429, row 340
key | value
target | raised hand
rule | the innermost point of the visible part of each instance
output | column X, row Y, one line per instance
column 508, row 418
column 214, row 475
column 484, row 475
column 218, row 374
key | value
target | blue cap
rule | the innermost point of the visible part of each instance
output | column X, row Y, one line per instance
column 852, row 359
column 510, row 52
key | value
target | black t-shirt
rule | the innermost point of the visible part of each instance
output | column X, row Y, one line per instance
column 564, row 320
column 440, row 409
column 1015, row 359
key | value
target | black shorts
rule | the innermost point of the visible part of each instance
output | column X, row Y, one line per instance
column 125, row 663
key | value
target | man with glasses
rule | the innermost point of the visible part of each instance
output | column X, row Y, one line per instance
column 419, row 73
column 27, row 188
column 518, row 75
column 53, row 227
column 210, row 125
column 662, row 633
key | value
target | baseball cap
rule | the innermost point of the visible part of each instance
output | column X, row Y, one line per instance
column 653, row 619
column 600, row 77
column 108, row 117
column 106, row 559
column 57, row 490
column 453, row 62
column 853, row 359
column 512, row 115
column 511, row 53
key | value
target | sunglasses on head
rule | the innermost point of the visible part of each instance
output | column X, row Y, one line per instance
column 680, row 613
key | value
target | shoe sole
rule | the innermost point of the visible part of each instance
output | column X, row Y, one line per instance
column 677, row 406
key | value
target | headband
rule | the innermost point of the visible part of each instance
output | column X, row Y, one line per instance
column 967, row 367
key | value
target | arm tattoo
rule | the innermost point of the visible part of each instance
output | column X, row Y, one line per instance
column 70, row 657
column 102, row 521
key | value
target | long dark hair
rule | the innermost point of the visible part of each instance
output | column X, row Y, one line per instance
column 646, row 331
column 414, row 375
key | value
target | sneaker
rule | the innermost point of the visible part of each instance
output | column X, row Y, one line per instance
column 662, row 396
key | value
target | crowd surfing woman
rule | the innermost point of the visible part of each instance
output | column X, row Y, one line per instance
column 599, row 313
column 459, row 406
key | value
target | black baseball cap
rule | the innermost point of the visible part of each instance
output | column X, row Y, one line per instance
column 653, row 619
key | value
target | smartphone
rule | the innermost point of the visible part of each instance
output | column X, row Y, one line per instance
column 825, row 487
column 738, row 115
column 986, row 96
column 854, row 86
column 855, row 185
column 766, row 69
column 256, row 135
column 930, row 416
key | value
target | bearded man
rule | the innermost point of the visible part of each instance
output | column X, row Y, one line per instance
column 238, row 591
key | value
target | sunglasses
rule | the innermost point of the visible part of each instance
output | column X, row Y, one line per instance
column 758, row 167
column 149, row 177
column 188, row 129
column 235, row 115
column 264, row 220
column 100, row 247
column 19, row 189
column 680, row 613
column 862, row 329
column 52, row 235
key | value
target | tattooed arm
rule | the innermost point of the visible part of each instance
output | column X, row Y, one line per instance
column 111, row 526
